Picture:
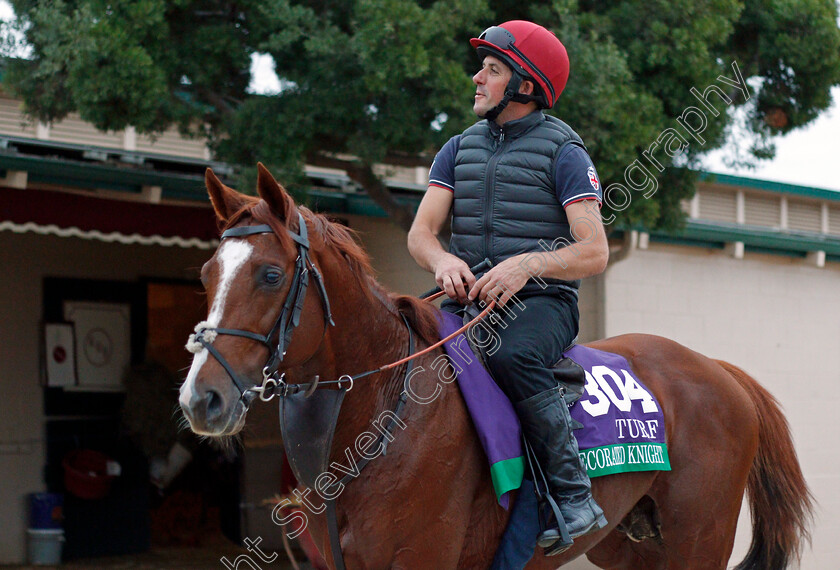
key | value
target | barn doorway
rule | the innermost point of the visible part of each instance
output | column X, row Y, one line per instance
column 131, row 417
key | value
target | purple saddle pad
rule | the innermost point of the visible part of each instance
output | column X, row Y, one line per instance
column 624, row 428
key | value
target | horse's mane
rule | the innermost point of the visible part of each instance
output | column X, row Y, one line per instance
column 422, row 316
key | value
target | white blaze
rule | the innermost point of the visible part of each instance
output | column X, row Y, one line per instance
column 232, row 255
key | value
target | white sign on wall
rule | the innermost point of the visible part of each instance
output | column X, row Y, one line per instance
column 103, row 342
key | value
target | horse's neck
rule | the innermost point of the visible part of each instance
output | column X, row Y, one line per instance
column 369, row 333
column 369, row 330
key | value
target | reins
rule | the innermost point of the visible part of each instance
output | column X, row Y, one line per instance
column 282, row 388
column 429, row 296
column 442, row 341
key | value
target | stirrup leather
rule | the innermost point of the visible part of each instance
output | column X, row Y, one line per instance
column 553, row 540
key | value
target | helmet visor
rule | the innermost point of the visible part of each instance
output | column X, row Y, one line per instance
column 499, row 37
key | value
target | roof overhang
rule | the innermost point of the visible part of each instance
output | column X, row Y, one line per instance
column 71, row 166
column 104, row 194
column 91, row 217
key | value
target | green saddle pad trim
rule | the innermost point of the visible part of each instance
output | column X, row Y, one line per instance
column 507, row 475
column 624, row 458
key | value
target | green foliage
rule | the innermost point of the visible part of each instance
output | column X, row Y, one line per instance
column 389, row 80
column 794, row 47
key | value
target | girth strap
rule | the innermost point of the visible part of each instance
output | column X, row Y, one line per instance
column 335, row 536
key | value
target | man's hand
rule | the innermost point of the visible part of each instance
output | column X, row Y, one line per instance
column 451, row 273
column 500, row 283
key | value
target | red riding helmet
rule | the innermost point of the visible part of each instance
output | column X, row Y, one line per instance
column 531, row 51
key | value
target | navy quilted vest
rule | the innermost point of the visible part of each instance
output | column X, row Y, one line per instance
column 505, row 200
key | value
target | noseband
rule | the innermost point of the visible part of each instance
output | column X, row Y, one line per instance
column 285, row 324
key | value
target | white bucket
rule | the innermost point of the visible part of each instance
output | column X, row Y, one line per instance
column 45, row 546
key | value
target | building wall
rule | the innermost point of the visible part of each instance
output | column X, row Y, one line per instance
column 26, row 259
column 776, row 317
column 72, row 129
column 387, row 246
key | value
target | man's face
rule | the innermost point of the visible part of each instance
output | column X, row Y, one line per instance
column 490, row 83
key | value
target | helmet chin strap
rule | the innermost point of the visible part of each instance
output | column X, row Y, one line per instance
column 511, row 94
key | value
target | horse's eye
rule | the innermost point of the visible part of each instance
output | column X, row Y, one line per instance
column 272, row 276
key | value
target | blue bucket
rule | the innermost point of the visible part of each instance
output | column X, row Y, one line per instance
column 45, row 510
column 45, row 546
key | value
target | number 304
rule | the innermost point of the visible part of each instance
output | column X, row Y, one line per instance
column 606, row 388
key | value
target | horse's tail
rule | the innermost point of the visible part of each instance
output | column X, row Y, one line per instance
column 780, row 502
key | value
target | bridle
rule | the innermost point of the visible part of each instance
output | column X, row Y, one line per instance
column 310, row 454
column 284, row 326
column 306, row 453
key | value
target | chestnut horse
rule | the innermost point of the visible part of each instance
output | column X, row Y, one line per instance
column 429, row 502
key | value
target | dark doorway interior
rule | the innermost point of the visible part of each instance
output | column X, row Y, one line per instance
column 134, row 514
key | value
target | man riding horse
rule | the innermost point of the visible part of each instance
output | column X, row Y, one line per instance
column 524, row 194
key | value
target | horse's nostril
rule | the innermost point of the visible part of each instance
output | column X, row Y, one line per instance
column 215, row 404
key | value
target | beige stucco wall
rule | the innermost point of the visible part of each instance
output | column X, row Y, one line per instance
column 386, row 245
column 774, row 316
column 25, row 259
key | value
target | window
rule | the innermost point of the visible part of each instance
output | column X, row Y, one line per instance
column 762, row 211
column 718, row 206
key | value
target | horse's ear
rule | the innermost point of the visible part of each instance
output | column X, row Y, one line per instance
column 226, row 201
column 273, row 193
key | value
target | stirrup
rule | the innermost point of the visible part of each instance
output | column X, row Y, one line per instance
column 553, row 540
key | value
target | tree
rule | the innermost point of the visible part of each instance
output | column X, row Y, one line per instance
column 370, row 82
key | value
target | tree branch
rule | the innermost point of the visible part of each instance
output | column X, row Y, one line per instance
column 400, row 214
column 217, row 101
column 397, row 158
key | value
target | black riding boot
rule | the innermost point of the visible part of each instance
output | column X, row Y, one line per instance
column 546, row 424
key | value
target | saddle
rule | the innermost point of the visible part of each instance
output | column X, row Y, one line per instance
column 567, row 372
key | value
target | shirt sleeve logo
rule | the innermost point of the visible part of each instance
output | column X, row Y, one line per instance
column 593, row 178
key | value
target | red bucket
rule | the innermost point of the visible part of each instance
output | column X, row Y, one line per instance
column 86, row 473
